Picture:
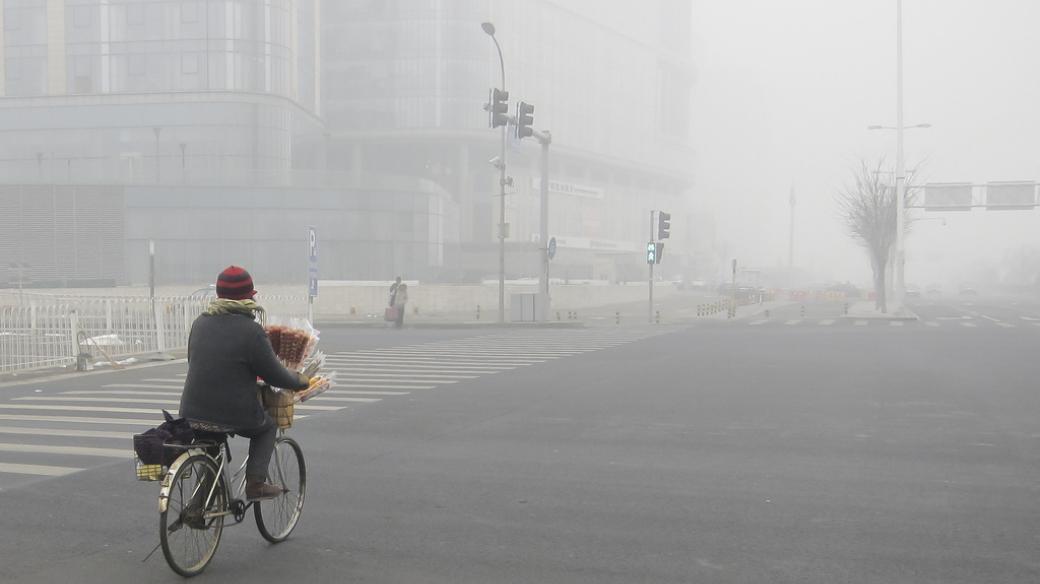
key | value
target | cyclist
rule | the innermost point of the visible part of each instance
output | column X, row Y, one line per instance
column 227, row 351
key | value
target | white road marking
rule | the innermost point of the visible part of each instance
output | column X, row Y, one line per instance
column 968, row 324
column 421, row 366
column 460, row 360
column 1030, row 318
column 758, row 322
column 793, row 322
column 409, row 372
column 68, row 433
column 81, row 420
column 428, row 377
column 896, row 323
column 1005, row 325
column 138, row 385
column 179, row 382
column 326, row 398
column 159, row 402
column 72, row 450
column 990, row 318
column 932, row 324
column 37, row 469
column 381, row 386
column 119, row 392
column 341, row 392
column 860, row 323
column 826, row 322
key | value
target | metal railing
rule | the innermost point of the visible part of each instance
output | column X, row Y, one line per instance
column 42, row 332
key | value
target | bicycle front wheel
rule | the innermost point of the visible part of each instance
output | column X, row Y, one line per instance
column 277, row 517
column 190, row 529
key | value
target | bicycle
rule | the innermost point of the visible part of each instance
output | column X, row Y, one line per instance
column 194, row 499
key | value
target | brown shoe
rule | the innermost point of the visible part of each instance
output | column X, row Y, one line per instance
column 256, row 490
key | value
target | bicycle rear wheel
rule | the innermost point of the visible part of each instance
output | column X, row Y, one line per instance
column 276, row 518
column 188, row 532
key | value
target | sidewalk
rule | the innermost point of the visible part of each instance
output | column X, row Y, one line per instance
column 866, row 311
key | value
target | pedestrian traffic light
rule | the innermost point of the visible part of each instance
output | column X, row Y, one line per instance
column 660, row 252
column 663, row 224
column 497, row 108
column 524, row 119
column 651, row 252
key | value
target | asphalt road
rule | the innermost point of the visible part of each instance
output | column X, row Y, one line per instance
column 775, row 448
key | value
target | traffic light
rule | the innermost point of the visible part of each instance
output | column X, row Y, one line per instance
column 663, row 224
column 497, row 108
column 524, row 119
column 651, row 252
column 660, row 252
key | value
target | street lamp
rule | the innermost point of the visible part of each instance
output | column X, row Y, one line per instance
column 899, row 286
column 489, row 29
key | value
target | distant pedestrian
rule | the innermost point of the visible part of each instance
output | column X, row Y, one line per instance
column 400, row 300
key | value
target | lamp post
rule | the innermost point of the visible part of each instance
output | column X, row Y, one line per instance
column 489, row 29
column 899, row 285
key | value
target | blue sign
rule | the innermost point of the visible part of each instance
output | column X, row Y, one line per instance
column 552, row 248
column 312, row 263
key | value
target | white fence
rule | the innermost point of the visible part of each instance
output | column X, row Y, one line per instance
column 51, row 331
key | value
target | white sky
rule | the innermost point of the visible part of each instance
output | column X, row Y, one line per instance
column 785, row 91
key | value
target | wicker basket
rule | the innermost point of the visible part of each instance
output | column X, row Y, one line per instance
column 148, row 472
column 279, row 405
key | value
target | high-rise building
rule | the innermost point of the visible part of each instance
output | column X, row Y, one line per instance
column 403, row 87
column 221, row 129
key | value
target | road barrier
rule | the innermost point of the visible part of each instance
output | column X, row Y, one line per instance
column 56, row 331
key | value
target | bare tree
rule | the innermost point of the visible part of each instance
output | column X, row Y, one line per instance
column 868, row 208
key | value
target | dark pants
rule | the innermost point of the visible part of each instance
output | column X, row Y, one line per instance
column 400, row 316
column 261, row 447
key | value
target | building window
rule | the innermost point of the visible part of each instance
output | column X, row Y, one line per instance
column 135, row 65
column 81, row 17
column 189, row 64
column 190, row 12
column 12, row 20
column 135, row 14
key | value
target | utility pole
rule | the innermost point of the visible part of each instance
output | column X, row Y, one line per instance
column 489, row 29
column 899, row 288
column 651, row 261
column 790, row 241
column 545, row 139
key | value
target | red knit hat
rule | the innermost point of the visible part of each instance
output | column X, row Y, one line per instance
column 235, row 283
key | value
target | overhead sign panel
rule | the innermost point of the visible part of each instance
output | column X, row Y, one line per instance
column 1001, row 196
column 947, row 197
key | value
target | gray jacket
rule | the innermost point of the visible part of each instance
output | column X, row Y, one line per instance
column 226, row 353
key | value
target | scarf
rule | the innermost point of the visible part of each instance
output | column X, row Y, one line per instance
column 244, row 307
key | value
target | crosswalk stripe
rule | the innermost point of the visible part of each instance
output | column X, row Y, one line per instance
column 432, row 361
column 793, row 322
column 341, row 392
column 429, row 377
column 968, row 324
column 118, row 392
column 416, row 372
column 68, row 450
column 37, row 469
column 381, row 386
column 327, row 398
column 138, row 385
column 65, row 433
column 171, row 381
column 758, row 322
column 456, row 353
column 159, row 402
column 1005, row 325
column 420, row 366
column 112, row 410
column 931, row 324
column 81, row 420
column 826, row 322
column 896, row 323
column 860, row 323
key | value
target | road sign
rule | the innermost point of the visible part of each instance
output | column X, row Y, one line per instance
column 312, row 263
column 552, row 248
column 1010, row 195
column 947, row 197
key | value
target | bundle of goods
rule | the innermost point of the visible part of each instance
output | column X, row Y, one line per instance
column 295, row 344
